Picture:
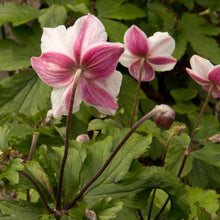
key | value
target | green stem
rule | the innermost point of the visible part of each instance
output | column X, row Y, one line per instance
column 66, row 150
column 137, row 93
column 105, row 165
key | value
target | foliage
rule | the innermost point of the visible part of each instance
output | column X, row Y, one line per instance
column 126, row 186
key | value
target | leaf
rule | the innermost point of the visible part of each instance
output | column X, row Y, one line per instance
column 20, row 210
column 11, row 171
column 78, row 211
column 14, row 56
column 107, row 208
column 12, row 12
column 188, row 3
column 98, row 124
column 35, row 170
column 24, row 93
column 197, row 35
column 53, row 16
column 207, row 199
column 115, row 29
column 79, row 8
column 185, row 107
column 183, row 94
column 118, row 10
column 209, row 154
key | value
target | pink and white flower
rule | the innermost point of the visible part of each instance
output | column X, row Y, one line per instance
column 153, row 53
column 205, row 74
column 82, row 46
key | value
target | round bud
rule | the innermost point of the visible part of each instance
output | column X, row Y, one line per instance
column 90, row 215
column 165, row 117
column 82, row 138
column 215, row 139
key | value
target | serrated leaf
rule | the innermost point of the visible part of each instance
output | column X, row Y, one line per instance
column 12, row 12
column 79, row 8
column 185, row 107
column 98, row 124
column 53, row 16
column 115, row 29
column 35, row 170
column 107, row 208
column 207, row 199
column 11, row 171
column 24, row 93
column 183, row 94
column 20, row 210
column 117, row 10
column 78, row 212
column 196, row 34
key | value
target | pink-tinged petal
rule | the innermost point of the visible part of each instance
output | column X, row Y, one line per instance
column 147, row 71
column 200, row 66
column 214, row 75
column 162, row 63
column 54, row 40
column 197, row 77
column 136, row 41
column 101, row 60
column 94, row 95
column 55, row 69
column 60, row 98
column 87, row 31
column 127, row 58
column 161, row 44
column 215, row 91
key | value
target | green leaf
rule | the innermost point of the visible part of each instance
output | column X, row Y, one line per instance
column 196, row 34
column 209, row 154
column 20, row 210
column 14, row 56
column 183, row 94
column 78, row 211
column 188, row 3
column 35, row 170
column 12, row 12
column 79, row 8
column 107, row 208
column 53, row 16
column 185, row 107
column 115, row 29
column 24, row 93
column 118, row 10
column 207, row 199
column 11, row 171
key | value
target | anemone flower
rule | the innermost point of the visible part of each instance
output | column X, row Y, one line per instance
column 80, row 48
column 145, row 55
column 205, row 74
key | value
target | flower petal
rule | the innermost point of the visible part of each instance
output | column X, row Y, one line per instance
column 162, row 63
column 147, row 72
column 87, row 31
column 94, row 95
column 60, row 98
column 54, row 40
column 214, row 75
column 215, row 91
column 161, row 44
column 101, row 60
column 136, row 41
column 54, row 68
column 197, row 77
column 127, row 58
column 200, row 66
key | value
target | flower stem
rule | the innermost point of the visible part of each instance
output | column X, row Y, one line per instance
column 32, row 180
column 33, row 146
column 189, row 148
column 66, row 150
column 162, row 164
column 137, row 93
column 111, row 157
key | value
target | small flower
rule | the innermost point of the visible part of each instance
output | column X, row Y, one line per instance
column 80, row 47
column 205, row 74
column 147, row 54
column 165, row 117
column 215, row 139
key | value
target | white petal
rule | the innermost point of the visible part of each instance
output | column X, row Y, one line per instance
column 200, row 66
column 54, row 40
column 161, row 43
column 127, row 58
